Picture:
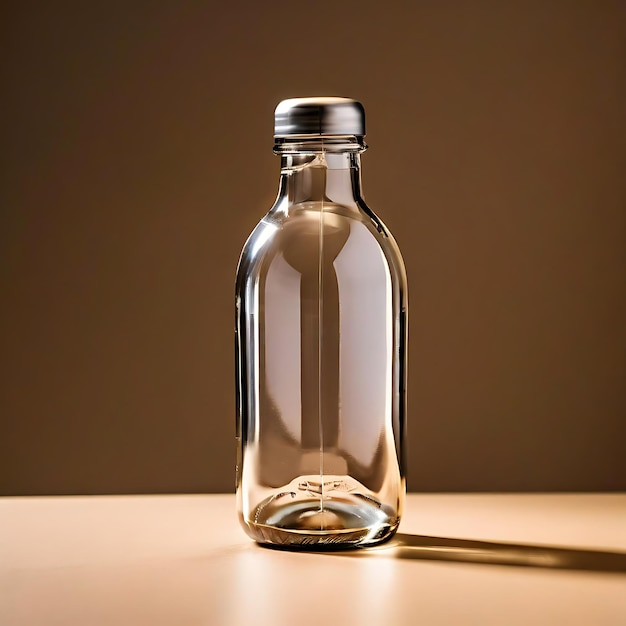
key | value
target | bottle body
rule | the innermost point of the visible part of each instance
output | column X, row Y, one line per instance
column 321, row 303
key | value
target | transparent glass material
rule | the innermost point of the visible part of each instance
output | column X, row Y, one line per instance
column 321, row 316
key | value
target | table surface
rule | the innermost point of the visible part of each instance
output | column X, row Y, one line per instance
column 183, row 560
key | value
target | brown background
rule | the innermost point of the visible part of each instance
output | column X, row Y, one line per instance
column 136, row 157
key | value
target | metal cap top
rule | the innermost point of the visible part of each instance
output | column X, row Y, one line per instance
column 319, row 116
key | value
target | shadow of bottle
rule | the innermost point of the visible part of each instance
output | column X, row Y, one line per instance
column 420, row 547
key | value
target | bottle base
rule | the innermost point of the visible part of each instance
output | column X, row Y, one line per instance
column 320, row 540
column 340, row 520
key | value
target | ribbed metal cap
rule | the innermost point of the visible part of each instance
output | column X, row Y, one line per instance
column 319, row 116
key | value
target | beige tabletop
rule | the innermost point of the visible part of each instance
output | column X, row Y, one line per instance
column 183, row 560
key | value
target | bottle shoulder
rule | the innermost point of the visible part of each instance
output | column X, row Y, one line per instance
column 297, row 233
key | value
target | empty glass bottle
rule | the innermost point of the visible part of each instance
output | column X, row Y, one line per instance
column 321, row 325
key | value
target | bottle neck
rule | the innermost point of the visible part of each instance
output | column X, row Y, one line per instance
column 315, row 171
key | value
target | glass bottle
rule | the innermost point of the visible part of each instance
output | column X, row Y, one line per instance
column 321, row 324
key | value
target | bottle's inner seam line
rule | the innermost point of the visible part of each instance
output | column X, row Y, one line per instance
column 320, row 312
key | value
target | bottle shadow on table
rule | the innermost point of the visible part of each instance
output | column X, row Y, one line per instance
column 421, row 547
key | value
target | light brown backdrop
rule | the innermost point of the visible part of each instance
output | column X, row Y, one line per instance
column 136, row 157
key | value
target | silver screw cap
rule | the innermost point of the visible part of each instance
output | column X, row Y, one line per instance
column 319, row 116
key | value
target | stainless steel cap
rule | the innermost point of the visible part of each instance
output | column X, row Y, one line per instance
column 319, row 116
